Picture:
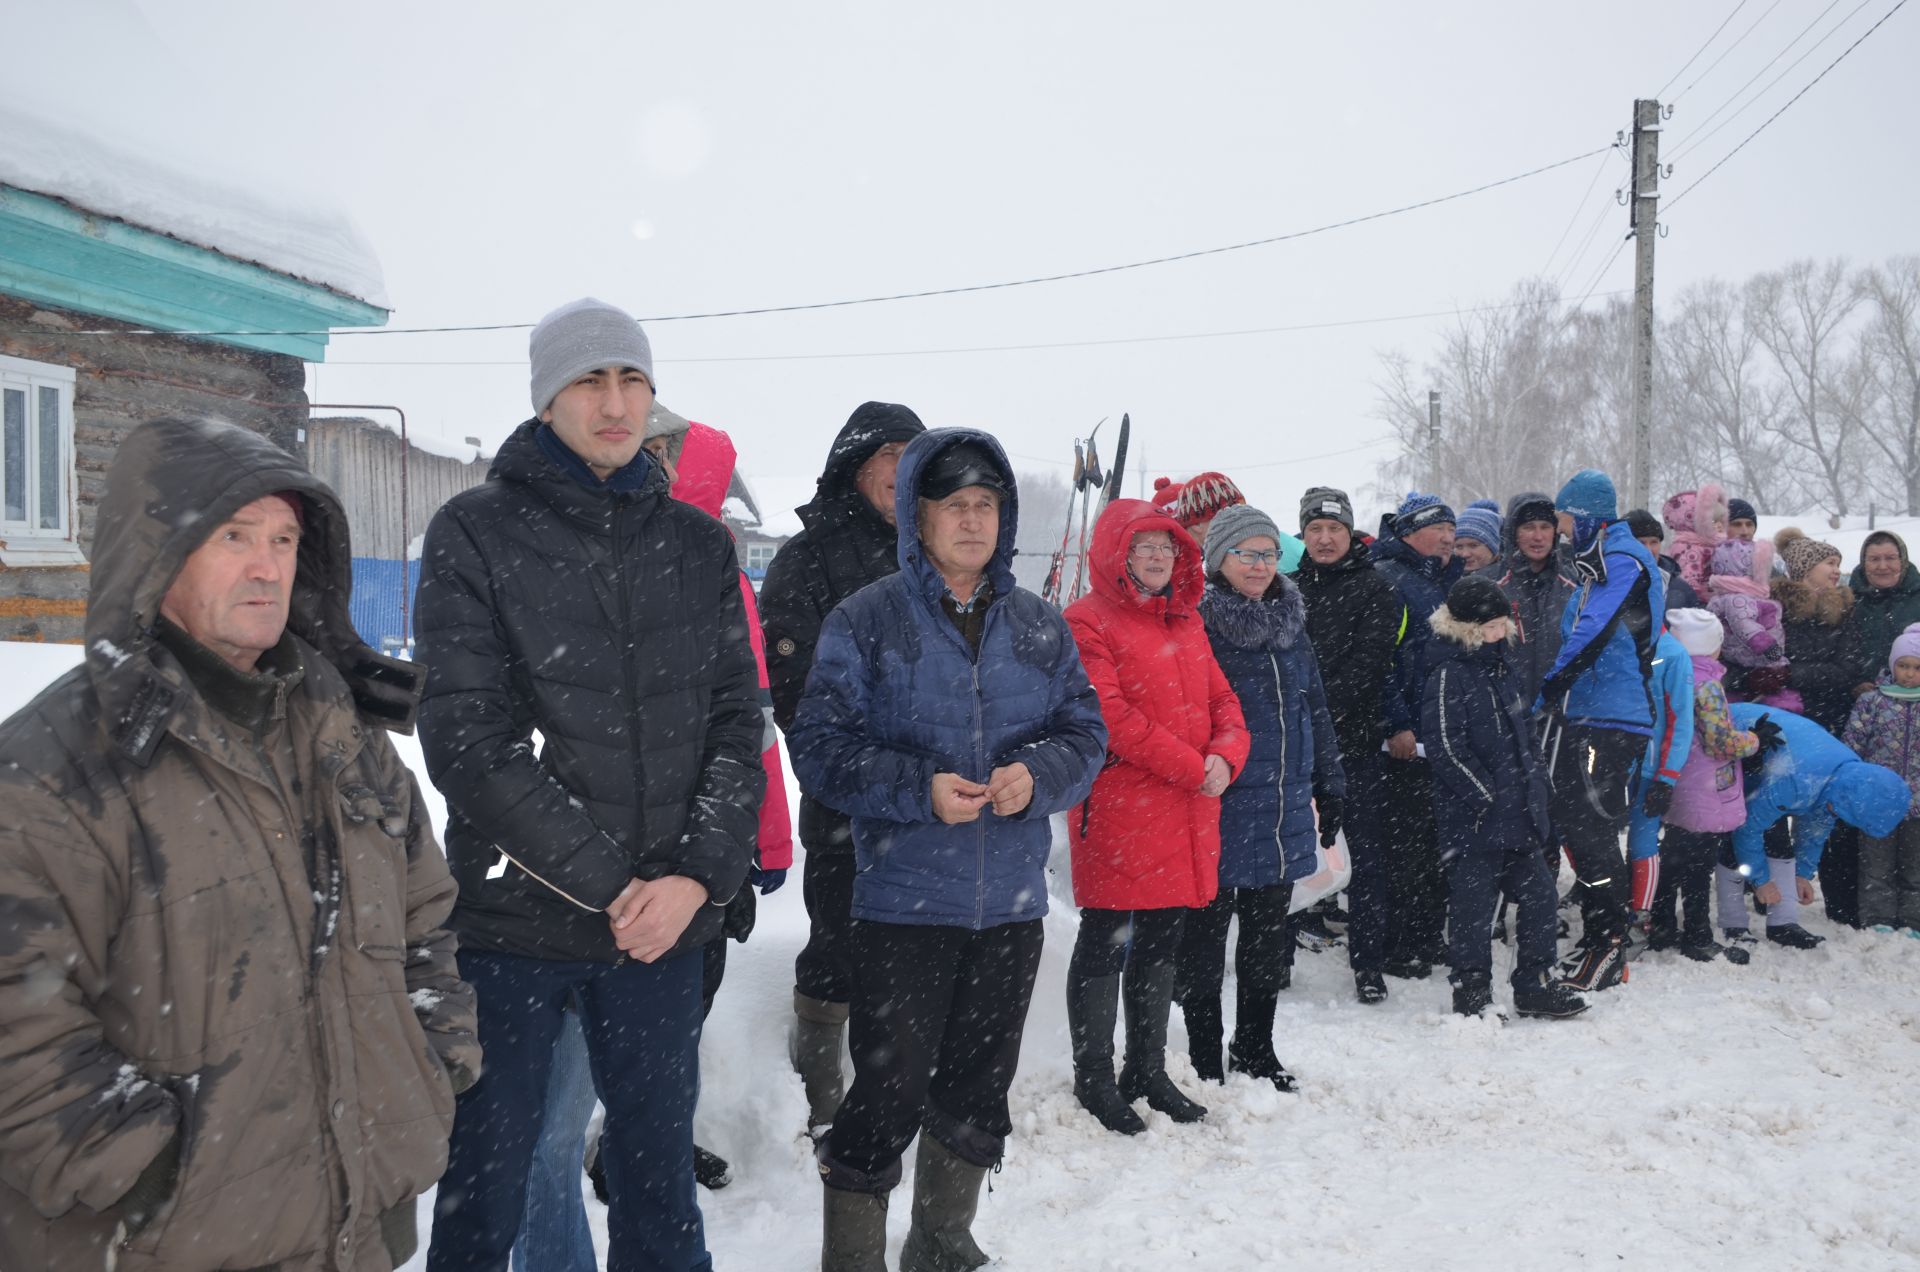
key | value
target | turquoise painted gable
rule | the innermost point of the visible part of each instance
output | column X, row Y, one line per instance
column 54, row 254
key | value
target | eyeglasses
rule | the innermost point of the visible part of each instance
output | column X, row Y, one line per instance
column 1247, row 556
column 1152, row 550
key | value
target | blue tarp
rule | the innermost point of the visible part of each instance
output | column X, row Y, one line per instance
column 376, row 602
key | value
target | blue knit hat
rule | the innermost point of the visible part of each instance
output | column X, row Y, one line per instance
column 1482, row 525
column 1491, row 505
column 1418, row 511
column 1589, row 493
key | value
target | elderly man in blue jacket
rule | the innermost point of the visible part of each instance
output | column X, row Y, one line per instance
column 1600, row 688
column 1817, row 780
column 948, row 714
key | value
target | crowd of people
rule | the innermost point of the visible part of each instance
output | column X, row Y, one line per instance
column 249, row 1012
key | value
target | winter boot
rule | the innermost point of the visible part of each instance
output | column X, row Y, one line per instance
column 854, row 1217
column 1093, row 1006
column 710, row 1170
column 1407, row 967
column 1740, row 943
column 1701, row 948
column 1148, row 993
column 946, row 1195
column 813, row 1045
column 1370, row 987
column 1592, row 968
column 1204, row 1031
column 1472, row 994
column 1252, row 1050
column 1543, row 999
column 1793, row 936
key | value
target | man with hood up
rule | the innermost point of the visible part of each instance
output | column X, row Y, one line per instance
column 847, row 541
column 231, row 1028
column 570, row 594
column 948, row 714
column 1536, row 584
column 1600, row 693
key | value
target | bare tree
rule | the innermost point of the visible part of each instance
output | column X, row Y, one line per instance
column 1799, row 315
column 1719, row 414
column 1890, row 348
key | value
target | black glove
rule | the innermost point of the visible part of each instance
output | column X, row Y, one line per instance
column 1771, row 738
column 1332, row 817
column 1658, row 799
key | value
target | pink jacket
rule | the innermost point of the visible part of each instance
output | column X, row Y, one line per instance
column 1711, row 794
column 1692, row 517
column 705, row 472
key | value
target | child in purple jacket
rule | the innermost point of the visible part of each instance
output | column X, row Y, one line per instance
column 1885, row 729
column 1709, row 800
column 1756, row 637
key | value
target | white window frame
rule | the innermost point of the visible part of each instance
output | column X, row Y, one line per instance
column 28, row 543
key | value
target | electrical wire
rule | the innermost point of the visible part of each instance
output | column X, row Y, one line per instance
column 875, row 300
column 1675, row 201
column 1688, row 141
column 1702, row 49
column 1726, row 51
column 1694, row 142
column 1578, row 207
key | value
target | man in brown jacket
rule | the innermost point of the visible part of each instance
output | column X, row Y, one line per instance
column 231, row 1028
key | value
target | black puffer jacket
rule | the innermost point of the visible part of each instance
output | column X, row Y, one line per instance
column 1354, row 622
column 1539, row 599
column 1823, row 651
column 844, row 546
column 610, row 620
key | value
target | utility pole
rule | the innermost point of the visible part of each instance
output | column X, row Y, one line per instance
column 1644, row 223
column 1433, row 441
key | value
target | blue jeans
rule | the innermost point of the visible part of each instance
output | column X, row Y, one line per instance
column 554, row 1236
column 642, row 1028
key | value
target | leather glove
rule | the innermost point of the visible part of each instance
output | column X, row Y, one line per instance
column 1658, row 799
column 1332, row 817
column 768, row 881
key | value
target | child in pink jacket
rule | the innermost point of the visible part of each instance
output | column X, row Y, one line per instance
column 1756, row 638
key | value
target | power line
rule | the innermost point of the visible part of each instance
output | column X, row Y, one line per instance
column 1724, row 52
column 1674, row 202
column 913, row 295
column 1578, row 207
column 1236, row 465
column 1010, row 348
column 1702, row 49
column 1695, row 141
column 1687, row 142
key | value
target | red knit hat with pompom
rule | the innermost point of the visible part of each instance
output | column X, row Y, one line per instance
column 1165, row 491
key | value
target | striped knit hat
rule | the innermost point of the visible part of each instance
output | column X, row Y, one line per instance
column 1202, row 498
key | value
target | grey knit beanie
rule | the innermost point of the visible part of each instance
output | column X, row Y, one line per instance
column 580, row 337
column 664, row 423
column 1325, row 501
column 1232, row 526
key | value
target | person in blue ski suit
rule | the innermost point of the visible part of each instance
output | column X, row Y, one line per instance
column 948, row 714
column 1600, row 690
column 1490, row 798
column 1817, row 780
column 1667, row 752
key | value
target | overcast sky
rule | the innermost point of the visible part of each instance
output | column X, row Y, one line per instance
column 504, row 158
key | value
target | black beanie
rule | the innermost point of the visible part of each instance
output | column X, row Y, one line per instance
column 1741, row 510
column 1645, row 525
column 1477, row 600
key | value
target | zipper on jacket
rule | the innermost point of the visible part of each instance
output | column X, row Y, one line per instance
column 1280, row 778
column 980, row 822
column 624, row 591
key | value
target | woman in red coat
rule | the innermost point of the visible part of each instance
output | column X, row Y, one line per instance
column 1146, row 844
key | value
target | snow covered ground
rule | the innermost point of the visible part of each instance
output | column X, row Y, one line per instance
column 1699, row 1117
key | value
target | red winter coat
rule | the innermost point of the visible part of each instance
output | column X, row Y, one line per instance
column 705, row 473
column 1147, row 839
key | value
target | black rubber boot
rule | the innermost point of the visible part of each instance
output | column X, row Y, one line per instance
column 1793, row 936
column 946, row 1196
column 1252, row 1049
column 1472, row 994
column 1204, row 1031
column 1370, row 987
column 814, row 1045
column 1148, row 993
column 710, row 1170
column 1093, row 1006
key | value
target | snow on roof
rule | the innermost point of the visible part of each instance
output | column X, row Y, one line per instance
column 285, row 231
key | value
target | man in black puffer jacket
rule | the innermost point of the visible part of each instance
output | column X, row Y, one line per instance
column 1537, row 585
column 1354, row 622
column 570, row 595
column 847, row 542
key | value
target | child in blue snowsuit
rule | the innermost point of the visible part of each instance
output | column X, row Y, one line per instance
column 1490, row 803
column 1667, row 752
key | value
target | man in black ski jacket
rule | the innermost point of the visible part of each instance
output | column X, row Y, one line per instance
column 570, row 595
column 847, row 542
column 1536, row 584
column 1354, row 621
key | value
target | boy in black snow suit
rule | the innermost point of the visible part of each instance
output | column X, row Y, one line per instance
column 1490, row 802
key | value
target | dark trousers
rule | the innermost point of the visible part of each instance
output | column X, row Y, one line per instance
column 1590, row 806
column 1113, row 940
column 1263, row 955
column 1687, row 858
column 1501, row 858
column 1416, row 888
column 1369, row 890
column 824, row 969
column 642, row 1025
column 1840, row 874
column 937, row 1015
